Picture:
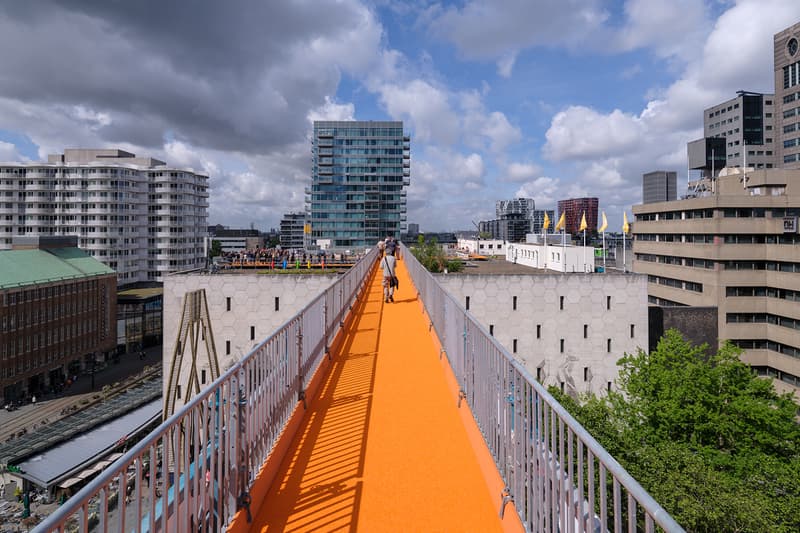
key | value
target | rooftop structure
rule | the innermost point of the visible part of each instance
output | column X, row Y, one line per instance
column 787, row 96
column 659, row 186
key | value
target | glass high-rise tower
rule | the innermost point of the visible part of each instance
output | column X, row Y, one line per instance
column 359, row 173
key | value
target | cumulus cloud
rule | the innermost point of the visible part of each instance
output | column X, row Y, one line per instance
column 582, row 133
column 518, row 172
column 9, row 153
column 484, row 29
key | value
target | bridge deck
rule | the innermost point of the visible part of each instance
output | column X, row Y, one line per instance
column 383, row 447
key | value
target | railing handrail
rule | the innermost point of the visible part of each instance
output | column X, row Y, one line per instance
column 422, row 278
column 231, row 379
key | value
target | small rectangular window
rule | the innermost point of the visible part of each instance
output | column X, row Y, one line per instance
column 632, row 329
column 562, row 387
column 608, row 345
column 514, row 303
column 514, row 345
column 277, row 303
column 586, row 373
column 203, row 377
column 561, row 302
column 608, row 302
column 586, row 331
column 491, row 330
column 228, row 303
column 538, row 331
column 539, row 374
column 466, row 303
column 562, row 345
column 252, row 333
column 608, row 386
column 227, row 347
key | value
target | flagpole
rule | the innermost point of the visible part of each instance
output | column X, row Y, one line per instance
column 544, row 234
column 604, row 251
column 564, row 248
column 624, row 265
column 584, row 251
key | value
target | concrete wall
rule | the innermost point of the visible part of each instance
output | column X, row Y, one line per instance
column 252, row 304
column 697, row 324
column 609, row 307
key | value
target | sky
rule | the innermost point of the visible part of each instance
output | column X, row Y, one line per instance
column 546, row 99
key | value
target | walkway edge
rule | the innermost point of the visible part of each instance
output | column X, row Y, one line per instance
column 269, row 470
column 494, row 482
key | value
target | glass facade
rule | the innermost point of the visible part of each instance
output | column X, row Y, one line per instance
column 359, row 174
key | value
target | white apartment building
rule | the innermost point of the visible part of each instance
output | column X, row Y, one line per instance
column 137, row 215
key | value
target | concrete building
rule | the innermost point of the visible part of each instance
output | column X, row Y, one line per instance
column 138, row 215
column 574, row 209
column 293, row 231
column 358, row 178
column 58, row 314
column 659, row 186
column 746, row 120
column 787, row 95
column 734, row 248
column 568, row 330
column 558, row 257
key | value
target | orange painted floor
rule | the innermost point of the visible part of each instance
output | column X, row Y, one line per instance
column 382, row 448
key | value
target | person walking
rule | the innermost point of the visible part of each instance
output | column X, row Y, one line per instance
column 388, row 263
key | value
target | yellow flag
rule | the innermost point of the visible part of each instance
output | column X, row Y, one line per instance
column 604, row 225
column 561, row 223
column 583, row 222
column 546, row 224
column 626, row 228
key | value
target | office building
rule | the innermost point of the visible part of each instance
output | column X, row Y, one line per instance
column 512, row 227
column 359, row 174
column 517, row 206
column 236, row 240
column 733, row 248
column 659, row 186
column 138, row 215
column 537, row 219
column 293, row 228
column 57, row 314
column 746, row 120
column 574, row 209
column 787, row 95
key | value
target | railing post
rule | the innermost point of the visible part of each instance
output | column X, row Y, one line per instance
column 301, row 392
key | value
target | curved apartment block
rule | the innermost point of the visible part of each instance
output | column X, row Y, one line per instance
column 138, row 215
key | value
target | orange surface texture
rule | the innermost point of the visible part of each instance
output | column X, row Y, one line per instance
column 383, row 446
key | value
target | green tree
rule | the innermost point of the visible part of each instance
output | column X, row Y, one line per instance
column 432, row 257
column 713, row 443
column 216, row 249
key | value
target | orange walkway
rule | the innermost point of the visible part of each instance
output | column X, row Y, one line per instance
column 383, row 448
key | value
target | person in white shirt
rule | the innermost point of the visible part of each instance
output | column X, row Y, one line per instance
column 388, row 263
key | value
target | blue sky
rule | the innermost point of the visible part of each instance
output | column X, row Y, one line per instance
column 548, row 99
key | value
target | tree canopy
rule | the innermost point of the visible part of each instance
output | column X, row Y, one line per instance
column 714, row 444
column 432, row 257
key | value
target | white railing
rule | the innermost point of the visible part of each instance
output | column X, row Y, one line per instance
column 558, row 476
column 195, row 470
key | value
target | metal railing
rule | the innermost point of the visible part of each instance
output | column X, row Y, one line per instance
column 558, row 476
column 195, row 470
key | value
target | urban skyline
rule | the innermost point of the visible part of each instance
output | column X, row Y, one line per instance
column 494, row 99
